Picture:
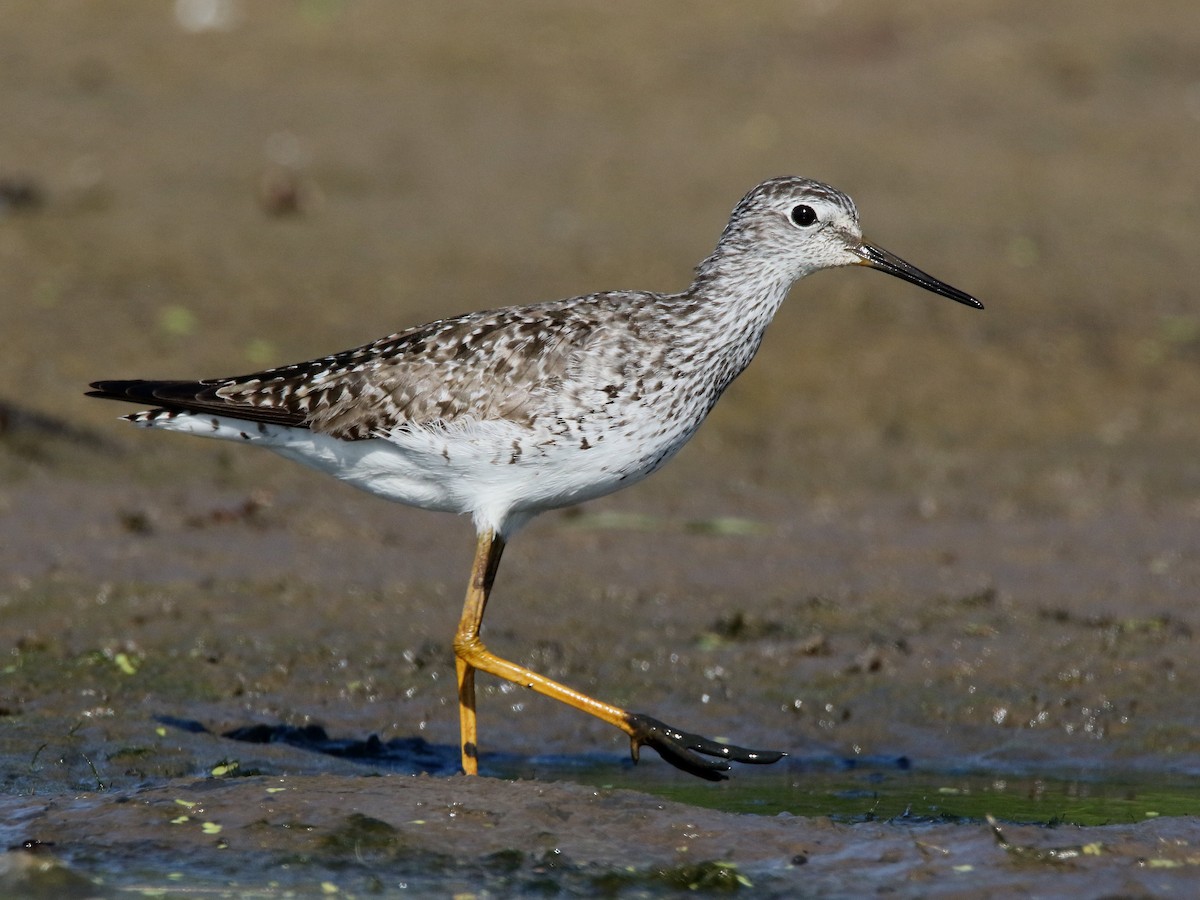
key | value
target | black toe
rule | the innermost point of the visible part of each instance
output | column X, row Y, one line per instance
column 684, row 750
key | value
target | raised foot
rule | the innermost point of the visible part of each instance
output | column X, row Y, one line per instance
column 683, row 750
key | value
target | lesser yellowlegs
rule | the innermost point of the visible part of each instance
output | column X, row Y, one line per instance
column 507, row 413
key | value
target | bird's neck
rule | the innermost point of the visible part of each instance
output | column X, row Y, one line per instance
column 725, row 313
column 735, row 295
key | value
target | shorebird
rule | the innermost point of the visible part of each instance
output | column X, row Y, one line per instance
column 508, row 413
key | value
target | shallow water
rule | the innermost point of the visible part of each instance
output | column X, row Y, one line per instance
column 863, row 791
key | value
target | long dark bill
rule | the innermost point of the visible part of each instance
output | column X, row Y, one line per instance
column 878, row 258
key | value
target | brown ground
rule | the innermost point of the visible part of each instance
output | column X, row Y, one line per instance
column 911, row 530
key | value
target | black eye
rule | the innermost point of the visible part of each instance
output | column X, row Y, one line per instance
column 803, row 215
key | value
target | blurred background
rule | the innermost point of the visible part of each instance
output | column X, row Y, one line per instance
column 206, row 187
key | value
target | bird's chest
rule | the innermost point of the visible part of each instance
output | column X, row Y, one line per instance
column 638, row 420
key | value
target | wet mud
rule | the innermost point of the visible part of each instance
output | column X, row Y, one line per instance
column 945, row 559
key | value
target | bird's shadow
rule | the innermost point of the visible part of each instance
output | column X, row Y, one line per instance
column 406, row 755
column 416, row 756
column 402, row 755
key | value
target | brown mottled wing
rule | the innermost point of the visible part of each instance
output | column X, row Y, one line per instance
column 489, row 365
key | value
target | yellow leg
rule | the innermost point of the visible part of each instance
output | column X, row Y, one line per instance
column 483, row 573
column 466, row 717
column 678, row 748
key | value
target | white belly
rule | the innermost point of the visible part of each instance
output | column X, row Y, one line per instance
column 500, row 473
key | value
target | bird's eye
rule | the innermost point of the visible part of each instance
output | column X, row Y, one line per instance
column 803, row 215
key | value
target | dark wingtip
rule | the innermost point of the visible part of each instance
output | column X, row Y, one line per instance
column 104, row 389
column 119, row 390
column 193, row 397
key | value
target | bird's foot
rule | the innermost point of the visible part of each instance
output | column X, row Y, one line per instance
column 683, row 750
